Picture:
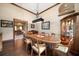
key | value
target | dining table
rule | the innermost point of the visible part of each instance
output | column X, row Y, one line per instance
column 44, row 38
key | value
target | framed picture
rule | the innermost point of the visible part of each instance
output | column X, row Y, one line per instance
column 46, row 25
column 32, row 25
column 6, row 23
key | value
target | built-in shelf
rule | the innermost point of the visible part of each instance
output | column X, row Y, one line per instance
column 70, row 30
column 67, row 27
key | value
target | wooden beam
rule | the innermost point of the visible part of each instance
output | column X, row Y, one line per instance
column 23, row 8
column 49, row 8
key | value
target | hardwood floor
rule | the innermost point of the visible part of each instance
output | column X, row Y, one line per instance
column 11, row 49
column 17, row 49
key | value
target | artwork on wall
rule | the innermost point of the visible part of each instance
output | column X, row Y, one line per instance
column 32, row 25
column 6, row 23
column 46, row 25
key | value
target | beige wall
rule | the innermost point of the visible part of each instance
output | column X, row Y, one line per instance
column 11, row 11
column 77, row 7
column 8, row 12
column 0, row 28
column 52, row 16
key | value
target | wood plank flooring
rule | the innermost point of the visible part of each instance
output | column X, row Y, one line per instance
column 17, row 49
column 11, row 49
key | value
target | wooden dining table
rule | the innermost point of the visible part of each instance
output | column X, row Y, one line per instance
column 46, row 39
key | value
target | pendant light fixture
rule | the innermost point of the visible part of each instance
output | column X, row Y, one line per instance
column 37, row 15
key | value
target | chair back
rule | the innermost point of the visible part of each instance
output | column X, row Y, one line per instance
column 37, row 46
column 33, row 42
column 70, row 45
column 43, row 33
column 53, row 35
column 36, row 43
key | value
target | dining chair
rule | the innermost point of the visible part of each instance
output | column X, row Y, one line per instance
column 43, row 33
column 38, row 47
column 62, row 50
column 53, row 34
column 53, row 38
column 27, row 42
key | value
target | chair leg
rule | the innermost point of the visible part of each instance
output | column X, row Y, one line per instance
column 39, row 54
column 46, row 52
column 31, row 52
column 26, row 47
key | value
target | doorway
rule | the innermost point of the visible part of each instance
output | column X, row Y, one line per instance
column 19, row 27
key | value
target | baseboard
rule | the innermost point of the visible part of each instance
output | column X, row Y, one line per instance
column 11, row 40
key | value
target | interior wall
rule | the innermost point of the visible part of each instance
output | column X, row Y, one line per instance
column 0, row 30
column 52, row 16
column 77, row 7
column 32, row 28
column 0, row 27
column 8, row 12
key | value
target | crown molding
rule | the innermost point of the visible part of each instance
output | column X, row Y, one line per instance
column 33, row 12
column 49, row 8
column 23, row 8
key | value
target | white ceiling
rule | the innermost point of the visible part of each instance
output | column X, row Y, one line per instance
column 35, row 6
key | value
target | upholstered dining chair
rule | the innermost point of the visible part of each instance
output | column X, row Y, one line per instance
column 38, row 47
column 53, row 38
column 62, row 50
column 27, row 42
